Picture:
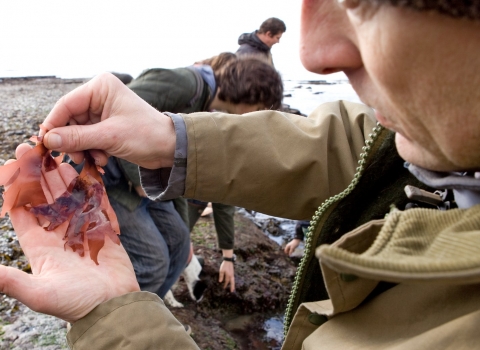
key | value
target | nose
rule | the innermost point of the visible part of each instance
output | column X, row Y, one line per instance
column 327, row 38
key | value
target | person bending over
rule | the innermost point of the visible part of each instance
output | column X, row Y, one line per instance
column 222, row 83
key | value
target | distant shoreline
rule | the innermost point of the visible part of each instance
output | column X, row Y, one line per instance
column 79, row 80
column 41, row 77
column 303, row 95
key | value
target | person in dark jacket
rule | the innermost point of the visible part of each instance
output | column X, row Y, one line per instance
column 155, row 234
column 258, row 43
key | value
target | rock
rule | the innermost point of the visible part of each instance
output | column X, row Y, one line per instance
column 31, row 331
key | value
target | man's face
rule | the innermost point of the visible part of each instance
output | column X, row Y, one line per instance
column 272, row 39
column 418, row 70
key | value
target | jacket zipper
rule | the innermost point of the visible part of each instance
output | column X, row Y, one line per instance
column 316, row 219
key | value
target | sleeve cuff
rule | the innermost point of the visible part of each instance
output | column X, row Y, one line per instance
column 169, row 183
column 137, row 320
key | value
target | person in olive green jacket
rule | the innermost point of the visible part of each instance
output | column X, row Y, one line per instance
column 406, row 280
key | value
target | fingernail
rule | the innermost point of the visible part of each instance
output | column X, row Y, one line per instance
column 54, row 141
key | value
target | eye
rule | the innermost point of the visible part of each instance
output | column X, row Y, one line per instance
column 349, row 4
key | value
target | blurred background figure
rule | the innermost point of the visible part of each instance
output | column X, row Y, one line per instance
column 258, row 43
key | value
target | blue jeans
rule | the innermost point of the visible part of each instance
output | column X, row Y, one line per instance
column 156, row 240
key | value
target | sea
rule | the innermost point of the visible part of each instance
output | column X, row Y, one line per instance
column 306, row 95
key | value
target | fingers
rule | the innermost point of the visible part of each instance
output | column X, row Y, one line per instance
column 232, row 284
column 81, row 109
column 221, row 276
column 22, row 149
column 229, row 280
column 15, row 283
column 83, row 105
column 57, row 181
column 54, row 183
column 67, row 172
column 226, row 282
column 227, row 276
column 107, row 116
column 291, row 246
column 101, row 158
column 77, row 157
column 22, row 221
column 289, row 249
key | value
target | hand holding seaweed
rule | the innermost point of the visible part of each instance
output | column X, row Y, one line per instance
column 105, row 117
column 59, row 281
column 84, row 204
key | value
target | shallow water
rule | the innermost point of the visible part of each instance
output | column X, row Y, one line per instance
column 308, row 95
column 257, row 331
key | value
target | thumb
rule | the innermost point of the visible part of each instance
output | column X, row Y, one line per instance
column 17, row 284
column 74, row 139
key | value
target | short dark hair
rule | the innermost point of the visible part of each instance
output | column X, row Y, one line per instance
column 250, row 81
column 272, row 25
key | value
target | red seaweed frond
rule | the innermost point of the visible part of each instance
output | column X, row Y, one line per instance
column 23, row 179
column 84, row 204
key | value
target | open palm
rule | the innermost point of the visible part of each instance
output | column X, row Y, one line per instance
column 62, row 283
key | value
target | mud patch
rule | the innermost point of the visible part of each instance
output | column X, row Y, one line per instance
column 263, row 278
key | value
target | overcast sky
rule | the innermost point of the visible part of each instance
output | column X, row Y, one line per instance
column 82, row 38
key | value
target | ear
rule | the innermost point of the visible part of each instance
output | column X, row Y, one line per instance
column 269, row 34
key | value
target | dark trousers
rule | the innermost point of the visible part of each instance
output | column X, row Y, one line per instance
column 223, row 217
column 156, row 240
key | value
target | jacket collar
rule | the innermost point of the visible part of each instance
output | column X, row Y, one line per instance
column 414, row 246
column 465, row 185
column 253, row 40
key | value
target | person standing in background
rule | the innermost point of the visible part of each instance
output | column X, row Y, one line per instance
column 258, row 43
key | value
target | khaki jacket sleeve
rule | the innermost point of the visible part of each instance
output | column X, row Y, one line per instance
column 275, row 163
column 133, row 321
